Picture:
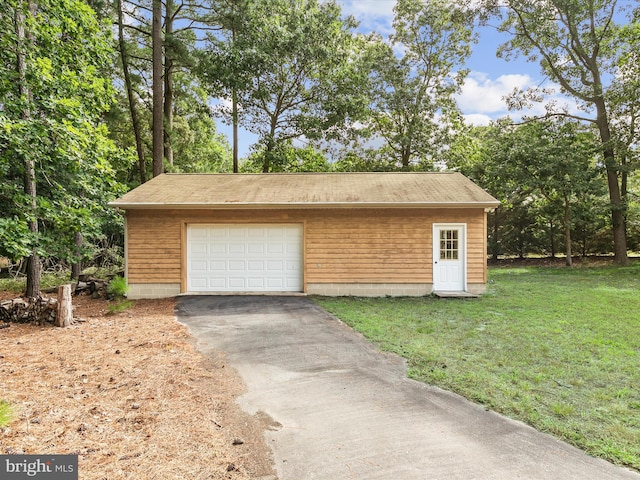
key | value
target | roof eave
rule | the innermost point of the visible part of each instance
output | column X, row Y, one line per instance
column 490, row 205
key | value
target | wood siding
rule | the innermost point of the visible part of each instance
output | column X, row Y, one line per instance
column 342, row 245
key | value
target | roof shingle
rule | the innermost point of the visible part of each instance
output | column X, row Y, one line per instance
column 308, row 190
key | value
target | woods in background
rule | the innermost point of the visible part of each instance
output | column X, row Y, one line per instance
column 98, row 96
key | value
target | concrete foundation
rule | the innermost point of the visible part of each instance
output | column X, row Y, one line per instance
column 370, row 289
column 153, row 290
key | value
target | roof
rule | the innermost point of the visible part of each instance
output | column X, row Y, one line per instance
column 308, row 190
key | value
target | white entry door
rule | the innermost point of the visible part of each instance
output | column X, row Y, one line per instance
column 449, row 250
column 244, row 258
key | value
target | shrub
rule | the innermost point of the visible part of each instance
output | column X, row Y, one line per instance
column 118, row 287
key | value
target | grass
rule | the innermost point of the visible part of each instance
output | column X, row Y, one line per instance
column 119, row 306
column 556, row 348
column 6, row 413
column 18, row 285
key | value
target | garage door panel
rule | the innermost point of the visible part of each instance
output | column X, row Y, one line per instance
column 217, row 249
column 236, row 248
column 256, row 249
column 240, row 258
column 275, row 248
column 275, row 266
column 237, row 266
column 256, row 232
column 256, row 283
column 199, row 283
column 217, row 284
column 218, row 266
column 255, row 265
column 238, row 284
column 199, row 248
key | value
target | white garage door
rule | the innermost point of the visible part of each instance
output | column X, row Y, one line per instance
column 244, row 258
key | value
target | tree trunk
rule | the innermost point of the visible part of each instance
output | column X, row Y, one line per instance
column 618, row 206
column 168, row 83
column 135, row 121
column 552, row 240
column 76, row 268
column 567, row 231
column 234, row 103
column 235, row 129
column 495, row 232
column 406, row 157
column 23, row 38
column 271, row 145
column 65, row 309
column 158, row 128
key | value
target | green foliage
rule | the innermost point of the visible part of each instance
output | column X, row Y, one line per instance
column 118, row 287
column 48, row 280
column 293, row 66
column 413, row 108
column 557, row 348
column 547, row 176
column 60, row 132
column 287, row 158
column 6, row 413
column 581, row 46
column 119, row 306
column 15, row 238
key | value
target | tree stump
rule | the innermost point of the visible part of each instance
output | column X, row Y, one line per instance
column 65, row 309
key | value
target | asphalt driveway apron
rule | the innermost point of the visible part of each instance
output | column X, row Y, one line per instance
column 344, row 410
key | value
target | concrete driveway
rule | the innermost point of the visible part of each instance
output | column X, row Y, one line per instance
column 344, row 410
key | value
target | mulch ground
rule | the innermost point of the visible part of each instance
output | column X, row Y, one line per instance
column 129, row 394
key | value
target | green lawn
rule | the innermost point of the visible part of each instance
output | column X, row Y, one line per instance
column 556, row 348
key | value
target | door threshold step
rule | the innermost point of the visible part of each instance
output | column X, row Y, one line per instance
column 455, row 295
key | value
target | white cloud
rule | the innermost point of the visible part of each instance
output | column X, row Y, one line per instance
column 369, row 8
column 373, row 15
column 477, row 119
column 481, row 94
column 482, row 98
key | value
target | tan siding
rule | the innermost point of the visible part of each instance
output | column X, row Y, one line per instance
column 341, row 246
column 368, row 246
column 153, row 247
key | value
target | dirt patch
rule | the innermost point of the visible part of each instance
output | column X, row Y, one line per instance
column 130, row 395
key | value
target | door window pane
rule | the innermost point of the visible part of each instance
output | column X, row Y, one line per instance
column 448, row 244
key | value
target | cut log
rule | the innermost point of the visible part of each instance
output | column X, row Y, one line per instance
column 39, row 310
column 90, row 286
column 65, row 309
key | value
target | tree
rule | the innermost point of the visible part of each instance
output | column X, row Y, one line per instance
column 131, row 100
column 578, row 45
column 157, row 83
column 556, row 159
column 414, row 107
column 546, row 175
column 223, row 64
column 177, row 27
column 24, row 42
column 198, row 146
column 287, row 158
column 54, row 155
column 300, row 66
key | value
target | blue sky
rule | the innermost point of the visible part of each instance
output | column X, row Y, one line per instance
column 490, row 79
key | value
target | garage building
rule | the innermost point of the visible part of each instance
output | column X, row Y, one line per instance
column 365, row 234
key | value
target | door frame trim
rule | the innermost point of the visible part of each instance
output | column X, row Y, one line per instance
column 436, row 248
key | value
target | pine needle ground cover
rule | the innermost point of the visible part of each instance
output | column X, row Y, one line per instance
column 556, row 348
